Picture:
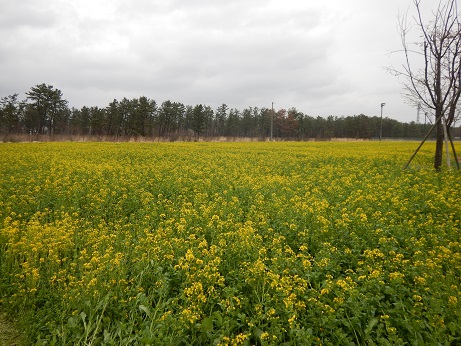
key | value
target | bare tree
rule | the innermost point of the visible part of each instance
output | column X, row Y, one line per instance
column 432, row 68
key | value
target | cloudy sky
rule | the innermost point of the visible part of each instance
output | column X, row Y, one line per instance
column 322, row 57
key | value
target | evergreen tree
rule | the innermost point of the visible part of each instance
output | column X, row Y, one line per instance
column 46, row 108
column 220, row 120
column 10, row 114
column 198, row 120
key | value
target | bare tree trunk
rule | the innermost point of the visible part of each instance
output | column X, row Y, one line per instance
column 439, row 146
column 445, row 137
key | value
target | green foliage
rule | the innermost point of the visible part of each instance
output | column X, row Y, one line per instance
column 46, row 110
column 198, row 120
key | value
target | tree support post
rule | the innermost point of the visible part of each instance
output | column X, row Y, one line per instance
column 454, row 151
column 424, row 140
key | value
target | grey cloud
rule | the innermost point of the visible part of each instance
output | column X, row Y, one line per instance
column 319, row 57
column 26, row 13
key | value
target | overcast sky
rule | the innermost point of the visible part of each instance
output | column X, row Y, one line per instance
column 322, row 57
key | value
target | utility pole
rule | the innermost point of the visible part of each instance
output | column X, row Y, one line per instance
column 381, row 124
column 272, row 121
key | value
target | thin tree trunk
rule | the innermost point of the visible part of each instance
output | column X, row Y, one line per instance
column 439, row 146
column 445, row 136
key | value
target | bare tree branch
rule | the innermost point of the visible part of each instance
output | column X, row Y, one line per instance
column 432, row 68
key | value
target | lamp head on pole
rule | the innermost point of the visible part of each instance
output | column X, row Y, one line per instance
column 383, row 104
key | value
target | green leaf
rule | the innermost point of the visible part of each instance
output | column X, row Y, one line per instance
column 370, row 325
column 257, row 332
column 83, row 316
column 107, row 336
column 218, row 317
column 207, row 325
column 72, row 322
column 146, row 340
column 145, row 309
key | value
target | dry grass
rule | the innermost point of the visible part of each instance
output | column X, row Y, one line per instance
column 5, row 138
column 9, row 333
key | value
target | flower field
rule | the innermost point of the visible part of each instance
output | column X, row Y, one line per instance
column 230, row 244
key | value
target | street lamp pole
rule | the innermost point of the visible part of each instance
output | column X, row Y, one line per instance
column 272, row 121
column 381, row 124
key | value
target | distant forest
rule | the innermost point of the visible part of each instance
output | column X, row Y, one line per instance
column 46, row 112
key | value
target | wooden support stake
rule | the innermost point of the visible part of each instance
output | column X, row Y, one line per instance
column 423, row 141
column 454, row 151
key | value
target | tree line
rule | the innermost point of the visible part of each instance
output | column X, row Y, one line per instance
column 46, row 112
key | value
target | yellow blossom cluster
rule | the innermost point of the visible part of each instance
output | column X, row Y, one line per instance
column 230, row 243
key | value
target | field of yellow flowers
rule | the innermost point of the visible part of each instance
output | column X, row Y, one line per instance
column 229, row 244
